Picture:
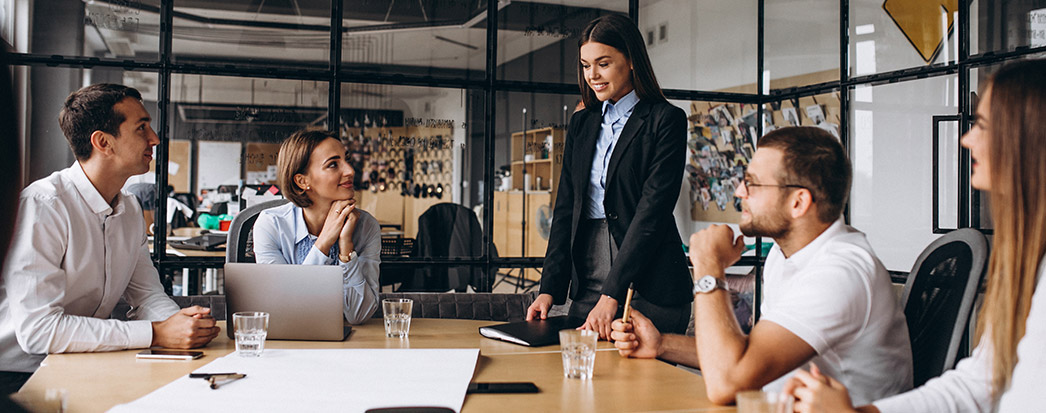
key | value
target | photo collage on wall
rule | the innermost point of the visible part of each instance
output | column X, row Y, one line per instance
column 720, row 145
column 722, row 142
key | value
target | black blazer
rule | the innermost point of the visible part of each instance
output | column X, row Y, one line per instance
column 643, row 180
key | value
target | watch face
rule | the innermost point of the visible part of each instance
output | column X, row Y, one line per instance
column 706, row 284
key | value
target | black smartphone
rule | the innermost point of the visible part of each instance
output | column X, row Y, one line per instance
column 170, row 354
column 511, row 387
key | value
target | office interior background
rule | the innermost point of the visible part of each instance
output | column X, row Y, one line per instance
column 467, row 101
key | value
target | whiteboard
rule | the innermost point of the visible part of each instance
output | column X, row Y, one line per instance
column 219, row 164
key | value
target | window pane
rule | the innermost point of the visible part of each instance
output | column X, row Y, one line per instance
column 899, row 34
column 116, row 29
column 802, row 43
column 227, row 130
column 441, row 39
column 413, row 150
column 48, row 88
column 269, row 34
column 1002, row 26
column 890, row 147
column 530, row 133
column 706, row 45
column 537, row 41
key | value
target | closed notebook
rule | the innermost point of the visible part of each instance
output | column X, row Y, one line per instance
column 531, row 333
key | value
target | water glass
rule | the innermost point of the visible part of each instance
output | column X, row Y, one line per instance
column 397, row 316
column 579, row 352
column 756, row 401
column 250, row 327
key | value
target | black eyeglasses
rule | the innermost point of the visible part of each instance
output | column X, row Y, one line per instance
column 746, row 183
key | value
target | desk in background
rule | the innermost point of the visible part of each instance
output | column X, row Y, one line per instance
column 98, row 381
column 196, row 280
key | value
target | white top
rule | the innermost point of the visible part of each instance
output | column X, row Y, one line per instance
column 836, row 296
column 72, row 258
column 278, row 231
column 967, row 388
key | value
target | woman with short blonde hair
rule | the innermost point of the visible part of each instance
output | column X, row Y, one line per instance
column 321, row 225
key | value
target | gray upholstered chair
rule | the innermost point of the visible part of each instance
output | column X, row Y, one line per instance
column 239, row 247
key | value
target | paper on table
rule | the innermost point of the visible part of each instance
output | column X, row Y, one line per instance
column 348, row 380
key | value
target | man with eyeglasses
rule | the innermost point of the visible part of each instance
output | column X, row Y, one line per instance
column 827, row 299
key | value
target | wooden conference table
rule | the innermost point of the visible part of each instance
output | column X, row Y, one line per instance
column 96, row 382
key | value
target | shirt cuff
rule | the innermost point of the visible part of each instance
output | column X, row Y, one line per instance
column 806, row 333
column 139, row 334
column 317, row 257
column 353, row 272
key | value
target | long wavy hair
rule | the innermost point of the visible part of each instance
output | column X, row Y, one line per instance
column 619, row 32
column 1017, row 154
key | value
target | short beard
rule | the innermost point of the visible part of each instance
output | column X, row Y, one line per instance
column 776, row 226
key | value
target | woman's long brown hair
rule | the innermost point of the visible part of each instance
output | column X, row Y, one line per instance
column 619, row 32
column 1017, row 154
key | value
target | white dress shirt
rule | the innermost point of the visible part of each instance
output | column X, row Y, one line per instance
column 836, row 296
column 967, row 388
column 73, row 256
column 278, row 231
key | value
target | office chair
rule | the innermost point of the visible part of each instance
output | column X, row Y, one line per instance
column 240, row 246
column 938, row 299
column 448, row 230
column 190, row 201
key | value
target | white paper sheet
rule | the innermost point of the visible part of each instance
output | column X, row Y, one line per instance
column 349, row 380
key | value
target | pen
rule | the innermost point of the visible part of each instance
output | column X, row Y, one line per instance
column 213, row 378
column 208, row 375
column 628, row 304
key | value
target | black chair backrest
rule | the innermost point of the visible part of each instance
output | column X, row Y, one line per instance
column 240, row 246
column 448, row 230
column 478, row 306
column 179, row 219
column 938, row 299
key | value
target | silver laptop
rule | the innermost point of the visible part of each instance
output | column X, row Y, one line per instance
column 304, row 302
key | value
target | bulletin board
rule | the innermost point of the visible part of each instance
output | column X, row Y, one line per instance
column 179, row 157
column 261, row 162
column 722, row 141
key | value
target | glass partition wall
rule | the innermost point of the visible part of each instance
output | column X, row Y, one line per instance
column 466, row 103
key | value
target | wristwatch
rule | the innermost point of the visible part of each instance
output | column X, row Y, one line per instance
column 348, row 258
column 709, row 283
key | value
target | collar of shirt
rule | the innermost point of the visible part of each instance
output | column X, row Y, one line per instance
column 89, row 193
column 804, row 256
column 301, row 231
column 622, row 109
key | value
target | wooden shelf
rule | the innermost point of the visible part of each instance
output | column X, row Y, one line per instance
column 549, row 160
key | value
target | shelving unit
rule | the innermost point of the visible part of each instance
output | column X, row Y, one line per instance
column 536, row 153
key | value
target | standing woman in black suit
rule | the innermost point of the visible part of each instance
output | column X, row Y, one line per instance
column 623, row 160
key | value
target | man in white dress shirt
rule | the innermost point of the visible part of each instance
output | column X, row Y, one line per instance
column 827, row 298
column 80, row 245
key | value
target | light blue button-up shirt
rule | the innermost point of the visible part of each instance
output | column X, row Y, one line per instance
column 281, row 237
column 614, row 118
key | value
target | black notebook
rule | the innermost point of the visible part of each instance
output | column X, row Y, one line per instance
column 535, row 333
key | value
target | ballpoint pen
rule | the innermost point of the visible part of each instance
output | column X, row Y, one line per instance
column 213, row 378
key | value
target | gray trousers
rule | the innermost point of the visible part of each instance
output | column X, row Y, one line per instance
column 593, row 258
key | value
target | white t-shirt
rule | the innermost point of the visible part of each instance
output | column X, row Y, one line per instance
column 836, row 296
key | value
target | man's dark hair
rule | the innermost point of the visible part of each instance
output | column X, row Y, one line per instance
column 815, row 160
column 91, row 109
